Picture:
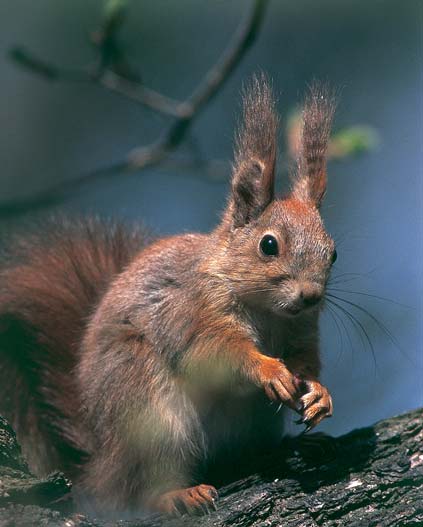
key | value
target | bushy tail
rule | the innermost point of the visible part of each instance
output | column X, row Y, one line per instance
column 50, row 282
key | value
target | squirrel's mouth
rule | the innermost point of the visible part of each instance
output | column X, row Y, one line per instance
column 296, row 309
column 293, row 310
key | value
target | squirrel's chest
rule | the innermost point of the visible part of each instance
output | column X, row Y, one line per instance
column 273, row 337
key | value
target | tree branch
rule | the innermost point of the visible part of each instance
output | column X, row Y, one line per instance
column 140, row 94
column 203, row 94
column 185, row 111
column 371, row 476
column 129, row 89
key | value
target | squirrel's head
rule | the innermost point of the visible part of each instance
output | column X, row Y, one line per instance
column 275, row 253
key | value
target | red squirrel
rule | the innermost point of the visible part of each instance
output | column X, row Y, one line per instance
column 133, row 364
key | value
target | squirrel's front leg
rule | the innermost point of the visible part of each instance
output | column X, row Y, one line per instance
column 230, row 357
column 272, row 375
column 316, row 401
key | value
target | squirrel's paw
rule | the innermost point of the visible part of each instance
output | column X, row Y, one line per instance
column 278, row 382
column 200, row 499
column 316, row 404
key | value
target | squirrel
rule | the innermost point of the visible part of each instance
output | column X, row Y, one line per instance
column 134, row 364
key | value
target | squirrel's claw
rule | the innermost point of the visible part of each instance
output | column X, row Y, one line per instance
column 193, row 501
column 316, row 405
column 278, row 382
column 306, row 429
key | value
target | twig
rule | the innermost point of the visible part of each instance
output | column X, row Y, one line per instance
column 206, row 90
column 130, row 89
column 140, row 94
column 185, row 112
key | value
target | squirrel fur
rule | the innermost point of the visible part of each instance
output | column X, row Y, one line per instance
column 135, row 365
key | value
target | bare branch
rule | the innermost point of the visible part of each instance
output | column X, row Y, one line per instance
column 140, row 94
column 110, row 80
column 137, row 92
column 214, row 79
column 185, row 112
column 45, row 69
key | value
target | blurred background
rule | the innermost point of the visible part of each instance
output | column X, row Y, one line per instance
column 53, row 131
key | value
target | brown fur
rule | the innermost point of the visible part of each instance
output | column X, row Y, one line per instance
column 319, row 108
column 50, row 281
column 141, row 366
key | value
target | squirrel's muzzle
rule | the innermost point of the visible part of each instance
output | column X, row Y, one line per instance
column 308, row 294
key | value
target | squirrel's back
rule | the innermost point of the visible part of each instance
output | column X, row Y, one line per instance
column 50, row 281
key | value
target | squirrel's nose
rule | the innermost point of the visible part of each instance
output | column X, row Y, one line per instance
column 310, row 294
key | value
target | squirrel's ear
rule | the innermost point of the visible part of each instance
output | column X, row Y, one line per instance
column 253, row 178
column 310, row 179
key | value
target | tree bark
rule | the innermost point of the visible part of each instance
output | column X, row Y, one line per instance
column 370, row 477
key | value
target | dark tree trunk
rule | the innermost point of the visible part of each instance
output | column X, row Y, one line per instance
column 369, row 477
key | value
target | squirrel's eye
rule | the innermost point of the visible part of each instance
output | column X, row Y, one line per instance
column 334, row 257
column 269, row 245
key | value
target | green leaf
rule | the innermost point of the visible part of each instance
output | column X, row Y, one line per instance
column 353, row 141
column 114, row 8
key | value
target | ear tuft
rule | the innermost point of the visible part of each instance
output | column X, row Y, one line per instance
column 255, row 154
column 318, row 112
column 256, row 136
